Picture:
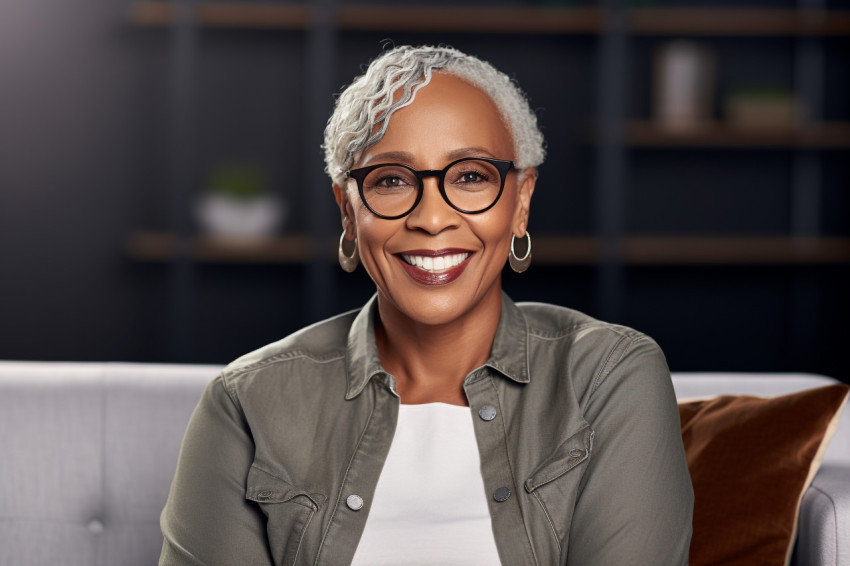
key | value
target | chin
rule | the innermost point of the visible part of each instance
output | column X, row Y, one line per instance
column 435, row 316
column 435, row 308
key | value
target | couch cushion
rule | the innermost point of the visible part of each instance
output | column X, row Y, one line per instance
column 50, row 441
column 751, row 459
column 825, row 519
column 87, row 453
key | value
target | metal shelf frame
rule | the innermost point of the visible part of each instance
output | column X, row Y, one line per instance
column 610, row 250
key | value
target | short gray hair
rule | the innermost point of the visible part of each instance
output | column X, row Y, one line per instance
column 369, row 102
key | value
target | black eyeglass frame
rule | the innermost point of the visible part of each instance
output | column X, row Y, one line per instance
column 502, row 165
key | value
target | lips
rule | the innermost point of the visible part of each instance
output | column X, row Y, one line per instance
column 434, row 267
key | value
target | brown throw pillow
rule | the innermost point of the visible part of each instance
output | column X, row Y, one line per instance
column 751, row 459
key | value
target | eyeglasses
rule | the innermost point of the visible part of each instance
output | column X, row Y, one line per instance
column 471, row 185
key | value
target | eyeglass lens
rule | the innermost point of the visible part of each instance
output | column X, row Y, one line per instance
column 471, row 185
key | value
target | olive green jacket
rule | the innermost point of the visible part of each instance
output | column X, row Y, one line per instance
column 576, row 423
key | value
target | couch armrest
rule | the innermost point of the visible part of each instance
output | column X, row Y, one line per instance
column 823, row 537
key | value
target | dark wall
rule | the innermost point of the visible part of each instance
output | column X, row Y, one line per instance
column 84, row 156
column 70, row 109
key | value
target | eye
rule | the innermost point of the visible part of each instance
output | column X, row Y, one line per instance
column 471, row 177
column 390, row 181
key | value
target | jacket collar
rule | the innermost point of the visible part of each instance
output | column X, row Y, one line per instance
column 509, row 355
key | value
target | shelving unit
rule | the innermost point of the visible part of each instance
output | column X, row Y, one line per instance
column 552, row 250
column 822, row 136
column 512, row 20
column 366, row 17
column 164, row 247
column 738, row 21
column 610, row 248
column 227, row 15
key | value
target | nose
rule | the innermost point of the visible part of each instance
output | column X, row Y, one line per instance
column 433, row 214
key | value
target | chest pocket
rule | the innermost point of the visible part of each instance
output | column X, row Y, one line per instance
column 288, row 511
column 556, row 481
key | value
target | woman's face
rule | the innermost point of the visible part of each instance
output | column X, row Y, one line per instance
column 448, row 119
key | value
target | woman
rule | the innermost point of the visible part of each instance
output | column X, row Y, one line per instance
column 442, row 423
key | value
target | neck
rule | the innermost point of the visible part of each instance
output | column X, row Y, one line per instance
column 430, row 362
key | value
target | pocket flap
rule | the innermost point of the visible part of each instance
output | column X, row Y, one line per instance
column 572, row 452
column 264, row 487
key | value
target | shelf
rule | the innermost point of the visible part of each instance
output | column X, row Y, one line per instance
column 738, row 21
column 735, row 250
column 368, row 17
column 551, row 250
column 226, row 15
column 158, row 247
column 827, row 135
column 151, row 246
column 465, row 19
column 531, row 20
column 695, row 250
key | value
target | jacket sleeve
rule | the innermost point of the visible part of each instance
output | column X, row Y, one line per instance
column 636, row 504
column 207, row 520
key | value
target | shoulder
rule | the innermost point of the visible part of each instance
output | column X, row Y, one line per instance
column 592, row 349
column 552, row 322
column 319, row 344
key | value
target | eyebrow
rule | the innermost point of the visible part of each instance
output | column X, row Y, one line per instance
column 407, row 157
column 401, row 156
column 468, row 152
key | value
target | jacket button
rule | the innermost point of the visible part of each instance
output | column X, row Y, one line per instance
column 354, row 502
column 502, row 494
column 487, row 412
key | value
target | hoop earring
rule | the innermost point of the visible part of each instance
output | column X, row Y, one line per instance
column 348, row 262
column 520, row 264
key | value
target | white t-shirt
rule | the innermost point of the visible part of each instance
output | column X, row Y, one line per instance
column 430, row 506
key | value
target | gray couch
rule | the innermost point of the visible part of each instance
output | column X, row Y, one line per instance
column 87, row 452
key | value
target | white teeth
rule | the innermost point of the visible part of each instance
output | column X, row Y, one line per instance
column 439, row 263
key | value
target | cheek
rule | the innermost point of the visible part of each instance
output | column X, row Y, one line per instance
column 495, row 230
column 372, row 236
column 369, row 228
column 498, row 235
column 363, row 219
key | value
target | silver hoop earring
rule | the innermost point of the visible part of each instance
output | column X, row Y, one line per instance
column 348, row 261
column 520, row 264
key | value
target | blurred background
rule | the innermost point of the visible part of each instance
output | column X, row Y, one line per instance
column 162, row 195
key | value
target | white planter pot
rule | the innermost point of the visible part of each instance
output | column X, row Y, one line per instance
column 220, row 215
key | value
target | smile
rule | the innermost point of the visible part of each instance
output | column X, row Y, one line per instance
column 435, row 264
column 434, row 267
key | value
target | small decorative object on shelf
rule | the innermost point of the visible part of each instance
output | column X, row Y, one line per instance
column 684, row 86
column 237, row 203
column 763, row 108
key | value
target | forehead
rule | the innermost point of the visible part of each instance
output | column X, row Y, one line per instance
column 446, row 115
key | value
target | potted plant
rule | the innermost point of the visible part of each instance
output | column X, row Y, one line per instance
column 764, row 108
column 237, row 202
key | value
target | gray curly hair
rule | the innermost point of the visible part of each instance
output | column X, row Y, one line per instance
column 369, row 102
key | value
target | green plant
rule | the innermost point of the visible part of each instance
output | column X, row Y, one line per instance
column 238, row 180
column 762, row 92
